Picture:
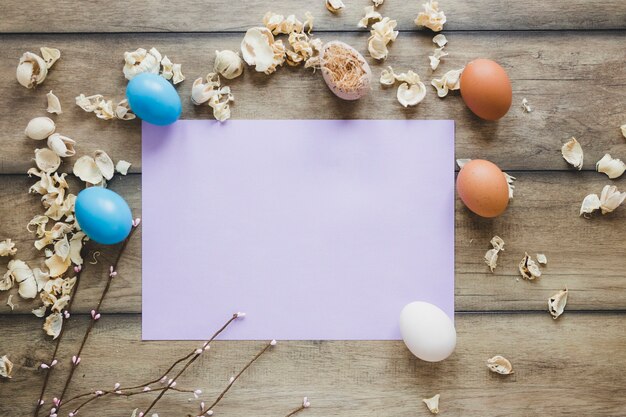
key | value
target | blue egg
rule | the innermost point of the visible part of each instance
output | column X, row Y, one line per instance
column 153, row 99
column 103, row 215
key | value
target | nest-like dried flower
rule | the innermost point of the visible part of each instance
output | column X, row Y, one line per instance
column 6, row 367
column 140, row 61
column 500, row 365
column 228, row 64
column 431, row 17
column 40, row 128
column 573, row 153
column 528, row 268
column 345, row 70
column 432, row 404
column 612, row 167
column 556, row 303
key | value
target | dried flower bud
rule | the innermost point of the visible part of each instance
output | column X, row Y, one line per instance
column 228, row 64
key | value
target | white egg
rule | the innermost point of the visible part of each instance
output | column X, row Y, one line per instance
column 427, row 331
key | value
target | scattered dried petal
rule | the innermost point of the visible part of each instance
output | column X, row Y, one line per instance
column 451, row 80
column 24, row 277
column 105, row 164
column 54, row 105
column 86, row 169
column 123, row 111
column 89, row 104
column 61, row 145
column 432, row 404
column 510, row 180
column 623, row 129
column 122, row 166
column 53, row 325
column 573, row 153
column 141, row 61
column 50, row 55
column 7, row 248
column 435, row 58
column 526, row 106
column 410, row 95
column 461, row 162
column 178, row 77
column 542, row 259
column 228, row 64
column 40, row 128
column 528, row 268
column 590, row 204
column 610, row 199
column 259, row 49
column 334, row 5
column 440, row 40
column 556, row 303
column 431, row 17
column 491, row 257
column 47, row 160
column 370, row 14
column 381, row 34
column 613, row 168
column 6, row 367
column 10, row 302
column 500, row 365
column 39, row 312
column 31, row 70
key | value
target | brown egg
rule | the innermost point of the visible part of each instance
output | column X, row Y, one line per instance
column 486, row 89
column 483, row 188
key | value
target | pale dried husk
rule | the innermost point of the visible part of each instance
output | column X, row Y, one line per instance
column 47, row 160
column 104, row 164
column 228, row 64
column 610, row 199
column 122, row 166
column 612, row 167
column 53, row 324
column 451, row 80
column 40, row 128
column 556, row 303
column 573, row 153
column 432, row 404
column 590, row 204
column 500, row 365
column 61, row 145
column 431, row 17
column 31, row 70
column 381, row 34
column 86, row 169
column 334, row 6
column 24, row 277
column 528, row 268
column 526, row 106
column 259, row 49
column 6, row 367
column 54, row 105
column 542, row 259
column 140, row 61
column 50, row 55
column 7, row 248
column 435, row 58
column 370, row 15
column 411, row 95
column 440, row 40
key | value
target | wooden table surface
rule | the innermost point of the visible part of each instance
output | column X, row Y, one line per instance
column 567, row 57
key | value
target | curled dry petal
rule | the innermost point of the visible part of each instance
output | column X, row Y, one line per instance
column 510, row 180
column 556, row 303
column 431, row 17
column 387, row 76
column 122, row 166
column 86, row 169
column 462, row 161
column 54, row 105
column 610, row 199
column 178, row 77
column 526, row 106
column 411, row 95
column 590, row 204
column 623, row 129
column 573, row 153
column 228, row 64
column 123, row 111
column 40, row 128
column 259, row 49
column 53, row 325
column 334, row 5
column 104, row 164
column 167, row 70
column 10, row 302
column 6, row 367
column 440, row 40
column 370, row 14
column 542, row 259
column 432, row 404
column 7, row 248
column 31, row 70
column 47, row 160
column 500, row 365
column 61, row 145
column 6, row 282
column 381, row 34
column 497, row 242
column 39, row 312
column 41, row 277
column 451, row 80
column 435, row 58
column 491, row 257
column 50, row 55
column 613, row 168
column 76, row 244
column 528, row 268
column 24, row 277
column 140, row 61
column 90, row 103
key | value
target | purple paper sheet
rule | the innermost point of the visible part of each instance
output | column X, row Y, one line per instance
column 317, row 229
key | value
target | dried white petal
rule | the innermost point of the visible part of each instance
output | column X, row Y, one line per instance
column 435, row 58
column 542, row 259
column 10, row 302
column 491, row 258
column 6, row 367
column 76, row 244
column 590, row 204
column 39, row 221
column 613, row 168
column 308, row 22
column 228, row 64
column 528, row 268
column 140, row 61
column 610, row 198
column 123, row 111
column 370, row 14
column 462, row 162
column 105, row 110
column 54, row 105
column 526, row 106
column 47, row 160
column 623, row 129
column 167, row 70
column 7, row 248
column 178, row 77
column 259, row 49
column 556, row 303
column 6, row 282
column 53, row 324
column 61, row 145
column 50, row 55
column 381, row 34
column 40, row 311
column 432, row 404
column 440, row 40
column 431, row 17
column 334, row 5
column 411, row 95
column 573, row 153
column 122, row 166
column 500, row 365
column 451, row 80
column 41, row 277
column 24, row 277
column 40, row 128
column 105, row 164
column 509, row 181
column 378, row 3
column 31, row 70
column 86, row 169
column 90, row 103
column 387, row 76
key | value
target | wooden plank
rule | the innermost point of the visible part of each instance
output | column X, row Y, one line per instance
column 224, row 15
column 562, row 368
column 573, row 81
column 584, row 255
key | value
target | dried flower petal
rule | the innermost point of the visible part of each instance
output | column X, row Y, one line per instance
column 24, row 277
column 140, row 61
column 40, row 128
column 500, row 365
column 178, row 77
column 411, row 95
column 50, row 55
column 105, row 164
column 370, row 14
column 613, row 168
column 47, row 160
column 228, row 64
column 76, row 244
column 7, row 248
column 10, row 302
column 31, row 70
column 432, row 404
column 334, row 5
column 53, row 325
column 54, row 105
column 89, row 104
column 556, row 303
column 39, row 312
column 431, row 17
column 542, row 259
column 122, row 166
column 6, row 282
column 526, row 106
column 528, row 268
column 435, row 58
column 6, row 367
column 61, row 145
column 510, row 180
column 610, row 199
column 123, row 111
column 440, row 40
column 573, row 153
column 381, row 34
column 461, row 162
column 86, row 169
column 259, row 49
column 623, row 129
column 590, row 204
column 387, row 76
column 451, row 80
column 491, row 257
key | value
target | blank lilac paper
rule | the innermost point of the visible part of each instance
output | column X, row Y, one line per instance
column 317, row 229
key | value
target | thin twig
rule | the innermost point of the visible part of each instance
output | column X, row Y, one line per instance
column 94, row 319
column 305, row 404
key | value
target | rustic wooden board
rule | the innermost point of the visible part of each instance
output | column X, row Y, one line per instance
column 223, row 15
column 562, row 368
column 584, row 255
column 574, row 81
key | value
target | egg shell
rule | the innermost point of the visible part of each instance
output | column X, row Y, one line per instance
column 486, row 89
column 339, row 92
column 483, row 188
column 103, row 215
column 153, row 99
column 427, row 331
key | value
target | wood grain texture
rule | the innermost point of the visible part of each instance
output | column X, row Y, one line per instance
column 562, row 368
column 239, row 15
column 584, row 255
column 574, row 81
